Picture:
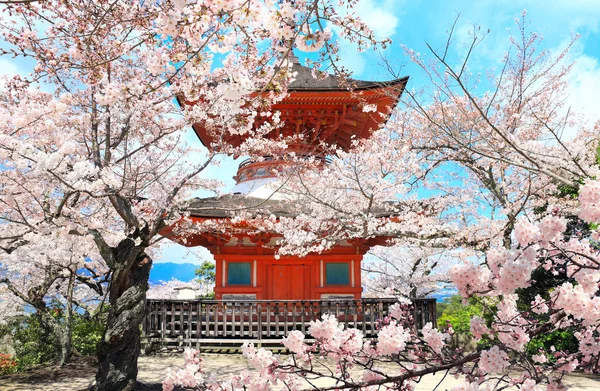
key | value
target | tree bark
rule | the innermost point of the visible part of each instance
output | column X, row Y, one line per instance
column 65, row 347
column 120, row 346
column 62, row 334
column 65, row 336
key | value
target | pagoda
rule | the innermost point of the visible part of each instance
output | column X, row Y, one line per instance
column 247, row 268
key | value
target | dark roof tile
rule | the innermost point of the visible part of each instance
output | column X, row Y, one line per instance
column 304, row 81
column 227, row 205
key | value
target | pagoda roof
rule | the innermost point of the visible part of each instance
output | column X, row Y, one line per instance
column 329, row 108
column 304, row 81
column 227, row 205
column 222, row 209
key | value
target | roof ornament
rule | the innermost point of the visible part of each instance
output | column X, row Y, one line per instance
column 292, row 57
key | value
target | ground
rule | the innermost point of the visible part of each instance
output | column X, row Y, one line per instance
column 79, row 375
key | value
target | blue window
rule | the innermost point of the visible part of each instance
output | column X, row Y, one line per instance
column 337, row 273
column 239, row 273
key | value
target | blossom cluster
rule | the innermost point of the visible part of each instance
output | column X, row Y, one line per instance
column 189, row 376
column 493, row 360
column 478, row 327
column 434, row 339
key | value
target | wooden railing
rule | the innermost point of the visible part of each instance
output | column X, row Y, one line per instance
column 178, row 323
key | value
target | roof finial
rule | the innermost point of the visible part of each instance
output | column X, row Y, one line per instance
column 292, row 57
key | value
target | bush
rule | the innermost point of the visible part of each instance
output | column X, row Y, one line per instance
column 560, row 340
column 459, row 315
column 454, row 313
column 542, row 283
column 7, row 364
column 87, row 333
column 35, row 345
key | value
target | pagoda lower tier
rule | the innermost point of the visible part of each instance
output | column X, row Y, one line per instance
column 248, row 266
column 263, row 277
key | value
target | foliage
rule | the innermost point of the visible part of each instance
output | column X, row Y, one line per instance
column 87, row 332
column 441, row 307
column 206, row 272
column 543, row 282
column 459, row 315
column 34, row 344
column 554, row 341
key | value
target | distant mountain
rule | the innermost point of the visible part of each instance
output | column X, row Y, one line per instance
column 443, row 294
column 165, row 271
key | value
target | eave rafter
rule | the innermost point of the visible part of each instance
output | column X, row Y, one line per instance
column 323, row 115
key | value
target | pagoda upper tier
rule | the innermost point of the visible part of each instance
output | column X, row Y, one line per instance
column 329, row 109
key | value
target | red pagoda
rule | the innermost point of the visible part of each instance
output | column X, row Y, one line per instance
column 246, row 266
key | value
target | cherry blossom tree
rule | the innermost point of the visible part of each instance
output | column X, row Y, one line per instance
column 170, row 289
column 518, row 139
column 509, row 145
column 368, row 192
column 49, row 275
column 410, row 272
column 93, row 143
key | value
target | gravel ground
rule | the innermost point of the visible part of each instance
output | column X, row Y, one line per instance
column 80, row 374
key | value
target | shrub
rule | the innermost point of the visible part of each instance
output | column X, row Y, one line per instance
column 35, row 345
column 455, row 314
column 557, row 340
column 87, row 333
column 459, row 315
column 7, row 364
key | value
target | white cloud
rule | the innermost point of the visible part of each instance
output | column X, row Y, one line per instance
column 383, row 17
column 584, row 84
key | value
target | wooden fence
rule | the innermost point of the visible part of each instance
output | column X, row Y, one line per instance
column 204, row 323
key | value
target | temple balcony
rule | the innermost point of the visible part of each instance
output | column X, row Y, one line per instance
column 219, row 324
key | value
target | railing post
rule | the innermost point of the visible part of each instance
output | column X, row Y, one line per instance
column 163, row 326
column 259, row 315
column 198, row 323
column 145, row 323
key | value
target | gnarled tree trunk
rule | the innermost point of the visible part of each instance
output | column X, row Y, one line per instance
column 120, row 346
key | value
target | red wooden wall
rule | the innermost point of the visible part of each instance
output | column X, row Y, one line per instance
column 288, row 278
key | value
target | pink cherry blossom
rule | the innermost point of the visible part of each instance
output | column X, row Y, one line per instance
column 493, row 360
column 434, row 338
column 478, row 327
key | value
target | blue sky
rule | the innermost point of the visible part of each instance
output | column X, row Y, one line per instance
column 417, row 22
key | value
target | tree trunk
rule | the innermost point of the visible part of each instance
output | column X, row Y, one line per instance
column 62, row 334
column 120, row 346
column 65, row 346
